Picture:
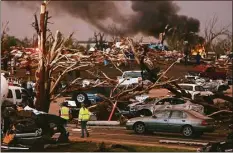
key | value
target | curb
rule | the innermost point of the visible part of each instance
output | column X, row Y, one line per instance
column 194, row 148
column 99, row 127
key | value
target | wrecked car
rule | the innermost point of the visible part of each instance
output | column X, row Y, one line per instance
column 208, row 84
column 174, row 102
column 149, row 105
column 129, row 78
column 89, row 96
column 213, row 85
column 25, row 128
column 195, row 90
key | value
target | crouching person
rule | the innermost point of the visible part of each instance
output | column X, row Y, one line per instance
column 84, row 116
column 47, row 122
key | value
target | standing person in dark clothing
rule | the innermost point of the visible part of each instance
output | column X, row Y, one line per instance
column 27, row 100
column 28, row 68
column 186, row 53
column 198, row 58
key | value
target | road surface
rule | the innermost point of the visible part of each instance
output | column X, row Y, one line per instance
column 128, row 137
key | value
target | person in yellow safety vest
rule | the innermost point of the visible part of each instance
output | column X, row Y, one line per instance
column 65, row 112
column 84, row 116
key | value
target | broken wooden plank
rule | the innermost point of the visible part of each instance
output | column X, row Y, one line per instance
column 183, row 142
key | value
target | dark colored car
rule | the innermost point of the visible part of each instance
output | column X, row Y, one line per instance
column 192, row 61
column 90, row 96
column 207, row 71
column 187, row 122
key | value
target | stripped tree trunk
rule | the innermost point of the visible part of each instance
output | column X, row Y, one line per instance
column 42, row 78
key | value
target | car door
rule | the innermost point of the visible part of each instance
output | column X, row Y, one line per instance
column 160, row 121
column 10, row 96
column 18, row 96
column 176, row 121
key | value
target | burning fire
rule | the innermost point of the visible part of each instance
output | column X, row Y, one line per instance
column 199, row 48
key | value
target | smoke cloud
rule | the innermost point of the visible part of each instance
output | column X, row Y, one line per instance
column 149, row 18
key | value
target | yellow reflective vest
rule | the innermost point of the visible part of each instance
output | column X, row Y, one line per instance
column 65, row 113
column 84, row 114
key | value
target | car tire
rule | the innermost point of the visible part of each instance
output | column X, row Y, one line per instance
column 80, row 97
column 38, row 146
column 219, row 149
column 140, row 128
column 187, row 131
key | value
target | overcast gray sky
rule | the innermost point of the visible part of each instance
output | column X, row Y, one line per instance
column 20, row 18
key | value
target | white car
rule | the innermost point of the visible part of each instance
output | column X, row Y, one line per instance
column 130, row 78
column 177, row 103
column 150, row 105
column 195, row 90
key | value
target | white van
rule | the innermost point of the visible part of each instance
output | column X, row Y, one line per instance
column 14, row 94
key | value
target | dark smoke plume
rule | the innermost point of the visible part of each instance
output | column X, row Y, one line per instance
column 150, row 18
column 153, row 16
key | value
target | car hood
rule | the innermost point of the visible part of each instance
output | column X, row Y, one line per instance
column 134, row 104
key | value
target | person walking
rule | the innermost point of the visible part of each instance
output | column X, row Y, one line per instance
column 28, row 68
column 186, row 52
column 84, row 116
column 198, row 58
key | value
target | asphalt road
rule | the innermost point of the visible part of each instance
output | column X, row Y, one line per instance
column 123, row 136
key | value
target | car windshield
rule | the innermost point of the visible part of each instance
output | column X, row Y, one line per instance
column 199, row 88
column 132, row 75
column 165, row 101
column 190, row 88
column 177, row 101
column 150, row 100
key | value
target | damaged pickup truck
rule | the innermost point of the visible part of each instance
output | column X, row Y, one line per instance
column 25, row 128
